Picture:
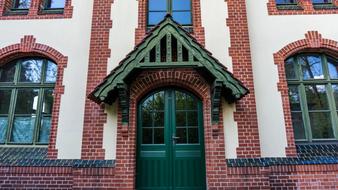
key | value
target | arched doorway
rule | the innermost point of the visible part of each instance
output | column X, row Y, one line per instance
column 170, row 141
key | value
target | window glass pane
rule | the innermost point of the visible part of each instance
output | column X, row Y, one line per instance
column 321, row 125
column 55, row 4
column 51, row 72
column 27, row 101
column 158, row 101
column 159, row 136
column 48, row 99
column 294, row 98
column 180, row 101
column 191, row 103
column 333, row 67
column 157, row 5
column 5, row 97
column 183, row 18
column 158, row 119
column 290, row 69
column 335, row 94
column 7, row 73
column 298, row 125
column 321, row 1
column 156, row 17
column 192, row 118
column 147, row 136
column 3, row 129
column 45, row 130
column 23, row 129
column 316, row 97
column 146, row 118
column 181, row 133
column 311, row 67
column 181, row 5
column 180, row 118
column 286, row 1
column 193, row 135
column 31, row 71
column 22, row 4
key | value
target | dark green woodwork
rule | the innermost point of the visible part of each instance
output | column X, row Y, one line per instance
column 170, row 142
column 169, row 46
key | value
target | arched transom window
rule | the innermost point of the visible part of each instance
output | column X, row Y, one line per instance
column 26, row 101
column 313, row 94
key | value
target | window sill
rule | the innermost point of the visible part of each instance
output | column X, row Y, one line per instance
column 289, row 7
column 324, row 6
column 15, row 12
column 51, row 11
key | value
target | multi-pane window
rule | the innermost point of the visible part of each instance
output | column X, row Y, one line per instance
column 54, row 4
column 21, row 4
column 179, row 9
column 286, row 2
column 313, row 94
column 26, row 101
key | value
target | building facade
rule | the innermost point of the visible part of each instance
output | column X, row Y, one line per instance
column 168, row 94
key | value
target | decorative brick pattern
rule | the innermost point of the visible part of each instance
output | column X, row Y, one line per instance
column 304, row 7
column 198, row 30
column 34, row 12
column 246, row 114
column 29, row 47
column 313, row 42
column 94, row 116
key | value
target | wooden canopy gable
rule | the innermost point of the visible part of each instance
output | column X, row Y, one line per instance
column 168, row 45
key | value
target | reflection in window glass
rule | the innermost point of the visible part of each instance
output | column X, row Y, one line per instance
column 321, row 1
column 26, row 102
column 183, row 18
column 313, row 97
column 311, row 67
column 283, row 2
column 22, row 4
column 181, row 5
column 55, row 4
column 157, row 5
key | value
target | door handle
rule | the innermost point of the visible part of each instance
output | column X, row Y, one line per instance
column 176, row 138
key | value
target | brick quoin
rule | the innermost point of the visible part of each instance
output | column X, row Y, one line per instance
column 246, row 113
column 306, row 8
column 27, row 48
column 313, row 42
column 198, row 30
column 94, row 116
column 34, row 12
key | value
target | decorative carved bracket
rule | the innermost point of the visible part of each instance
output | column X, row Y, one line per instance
column 216, row 101
column 123, row 93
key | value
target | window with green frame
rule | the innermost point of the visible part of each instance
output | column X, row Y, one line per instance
column 313, row 94
column 26, row 101
column 21, row 4
column 179, row 9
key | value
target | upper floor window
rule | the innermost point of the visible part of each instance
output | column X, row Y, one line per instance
column 313, row 94
column 179, row 9
column 54, row 4
column 21, row 4
column 26, row 101
column 286, row 2
column 322, row 1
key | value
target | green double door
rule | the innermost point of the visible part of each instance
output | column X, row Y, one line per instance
column 170, row 143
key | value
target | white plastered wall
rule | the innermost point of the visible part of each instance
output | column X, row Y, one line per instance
column 269, row 34
column 217, row 40
column 71, row 37
column 121, row 42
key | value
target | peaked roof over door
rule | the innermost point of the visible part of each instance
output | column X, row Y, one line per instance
column 168, row 45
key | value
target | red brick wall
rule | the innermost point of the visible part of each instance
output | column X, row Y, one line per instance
column 306, row 8
column 34, row 12
column 94, row 116
column 313, row 42
column 29, row 47
column 246, row 114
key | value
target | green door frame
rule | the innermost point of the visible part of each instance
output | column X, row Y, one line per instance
column 172, row 150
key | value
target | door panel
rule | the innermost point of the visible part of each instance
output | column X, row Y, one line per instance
column 170, row 151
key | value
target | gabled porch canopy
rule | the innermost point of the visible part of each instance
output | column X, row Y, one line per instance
column 168, row 45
